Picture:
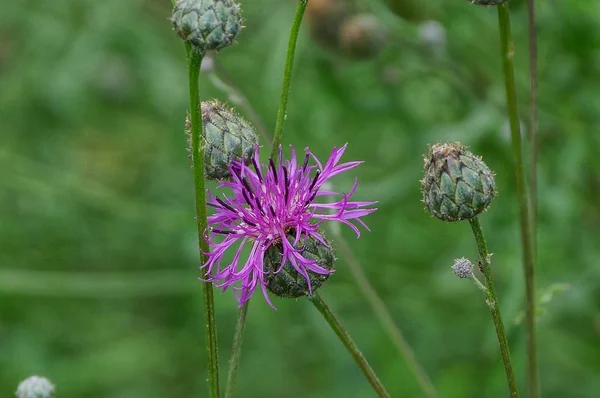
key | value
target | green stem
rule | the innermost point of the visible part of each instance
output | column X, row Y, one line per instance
column 533, row 154
column 524, row 202
column 345, row 338
column 287, row 76
column 493, row 304
column 194, row 61
column 386, row 320
column 237, row 350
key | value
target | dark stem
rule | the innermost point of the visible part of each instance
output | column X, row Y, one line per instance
column 287, row 76
column 345, row 338
column 194, row 61
column 236, row 351
column 527, row 238
column 494, row 305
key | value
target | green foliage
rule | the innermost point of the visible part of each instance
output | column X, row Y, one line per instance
column 98, row 258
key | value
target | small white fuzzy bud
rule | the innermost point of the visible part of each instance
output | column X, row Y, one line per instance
column 433, row 34
column 35, row 387
column 463, row 268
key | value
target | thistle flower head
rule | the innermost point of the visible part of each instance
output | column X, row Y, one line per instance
column 35, row 387
column 457, row 184
column 207, row 24
column 226, row 137
column 277, row 207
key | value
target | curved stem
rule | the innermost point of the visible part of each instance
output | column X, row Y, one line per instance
column 236, row 351
column 223, row 81
column 345, row 338
column 524, row 202
column 287, row 76
column 194, row 61
column 386, row 320
column 494, row 305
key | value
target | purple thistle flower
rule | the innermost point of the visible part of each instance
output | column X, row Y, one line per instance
column 266, row 204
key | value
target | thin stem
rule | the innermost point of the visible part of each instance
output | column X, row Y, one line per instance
column 287, row 76
column 345, row 338
column 386, row 320
column 194, row 61
column 494, row 305
column 533, row 159
column 524, row 202
column 223, row 81
column 533, row 115
column 236, row 352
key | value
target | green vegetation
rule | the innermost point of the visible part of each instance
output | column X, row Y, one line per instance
column 99, row 286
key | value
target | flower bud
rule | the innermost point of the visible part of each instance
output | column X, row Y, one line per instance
column 457, row 184
column 288, row 282
column 227, row 137
column 487, row 2
column 410, row 10
column 362, row 36
column 207, row 24
column 35, row 387
column 325, row 17
column 463, row 268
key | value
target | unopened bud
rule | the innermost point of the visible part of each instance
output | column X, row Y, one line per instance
column 207, row 24
column 35, row 387
column 457, row 184
column 362, row 36
column 227, row 137
column 463, row 268
column 286, row 281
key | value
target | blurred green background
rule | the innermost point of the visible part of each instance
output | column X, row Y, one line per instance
column 98, row 255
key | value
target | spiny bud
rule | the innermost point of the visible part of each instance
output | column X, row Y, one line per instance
column 35, row 387
column 227, row 137
column 463, row 268
column 457, row 184
column 207, row 24
column 362, row 36
column 487, row 2
column 288, row 282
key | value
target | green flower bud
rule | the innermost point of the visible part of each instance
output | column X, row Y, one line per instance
column 35, row 387
column 487, row 2
column 227, row 137
column 207, row 24
column 288, row 282
column 457, row 184
column 362, row 36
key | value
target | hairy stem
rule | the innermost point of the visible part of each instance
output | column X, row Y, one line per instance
column 494, row 305
column 194, row 60
column 287, row 76
column 533, row 379
column 386, row 320
column 237, row 350
column 345, row 338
